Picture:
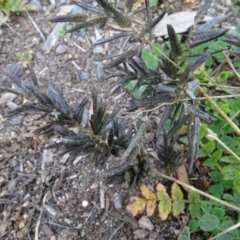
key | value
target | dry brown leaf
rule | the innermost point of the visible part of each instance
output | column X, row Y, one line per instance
column 147, row 193
column 182, row 176
column 150, row 207
column 136, row 206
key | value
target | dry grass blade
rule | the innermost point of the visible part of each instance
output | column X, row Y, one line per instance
column 148, row 11
column 150, row 26
column 129, row 5
column 120, row 18
column 202, row 11
column 165, row 97
column 176, row 50
column 210, row 24
column 232, row 38
column 101, row 41
column 79, row 17
column 122, row 58
column 89, row 7
column 202, row 37
column 193, row 139
column 89, row 23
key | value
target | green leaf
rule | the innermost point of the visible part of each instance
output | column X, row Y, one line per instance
column 178, row 203
column 229, row 159
column 131, row 85
column 19, row 55
column 203, row 131
column 213, row 159
column 149, row 59
column 207, row 148
column 195, row 211
column 219, row 212
column 227, row 224
column 193, row 225
column 138, row 93
column 185, row 234
column 236, row 198
column 216, row 176
column 225, row 75
column 228, row 197
column 208, row 222
column 156, row 51
column 216, row 190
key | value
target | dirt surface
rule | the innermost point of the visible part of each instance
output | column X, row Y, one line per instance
column 41, row 193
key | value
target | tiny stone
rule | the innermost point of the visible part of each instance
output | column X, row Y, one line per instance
column 61, row 49
column 12, row 105
column 39, row 55
column 117, row 201
column 145, row 223
column 82, row 234
column 16, row 120
column 84, row 203
column 84, row 75
column 98, row 49
column 140, row 234
column 153, row 235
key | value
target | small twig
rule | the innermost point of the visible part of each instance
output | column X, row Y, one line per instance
column 40, row 216
column 231, row 65
column 36, row 26
column 102, row 196
column 61, row 226
column 213, row 136
column 196, row 190
column 116, row 230
column 13, row 30
column 226, row 231
column 135, row 140
column 223, row 114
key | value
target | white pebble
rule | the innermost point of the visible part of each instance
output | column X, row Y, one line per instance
column 84, row 203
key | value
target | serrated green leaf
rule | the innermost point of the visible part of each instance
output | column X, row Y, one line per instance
column 131, row 85
column 216, row 176
column 138, row 93
column 193, row 225
column 164, row 206
column 208, row 222
column 185, row 234
column 193, row 198
column 213, row 159
column 207, row 148
column 195, row 211
column 178, row 203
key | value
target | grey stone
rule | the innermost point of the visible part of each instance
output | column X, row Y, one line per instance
column 140, row 234
column 153, row 235
column 84, row 75
column 117, row 201
column 16, row 120
column 145, row 223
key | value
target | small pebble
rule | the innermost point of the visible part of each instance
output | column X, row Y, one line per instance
column 84, row 203
column 145, row 223
column 84, row 75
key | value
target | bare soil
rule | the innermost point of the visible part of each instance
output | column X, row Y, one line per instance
column 41, row 194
